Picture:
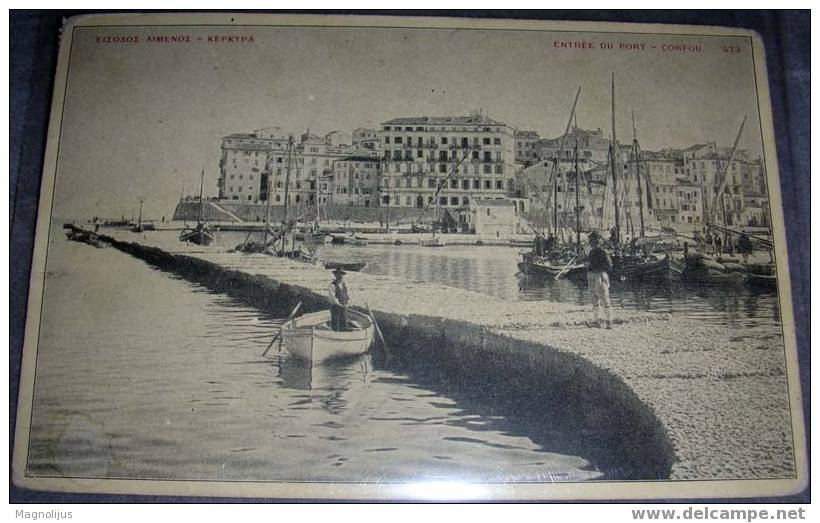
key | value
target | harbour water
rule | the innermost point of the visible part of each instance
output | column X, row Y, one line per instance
column 493, row 270
column 144, row 375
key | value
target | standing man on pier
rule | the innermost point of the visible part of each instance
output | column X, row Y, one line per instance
column 599, row 266
column 339, row 299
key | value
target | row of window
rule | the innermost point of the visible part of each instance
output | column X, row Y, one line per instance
column 443, row 156
column 420, row 141
column 433, row 183
column 462, row 129
column 364, row 190
column 443, row 168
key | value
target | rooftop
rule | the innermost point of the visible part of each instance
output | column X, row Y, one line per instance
column 442, row 120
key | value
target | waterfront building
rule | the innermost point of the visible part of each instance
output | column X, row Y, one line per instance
column 420, row 152
column 365, row 138
column 492, row 217
column 245, row 157
column 703, row 164
column 526, row 150
column 354, row 182
column 593, row 147
column 405, row 162
column 338, row 138
column 255, row 164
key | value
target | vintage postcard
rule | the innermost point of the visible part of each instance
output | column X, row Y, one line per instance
column 362, row 257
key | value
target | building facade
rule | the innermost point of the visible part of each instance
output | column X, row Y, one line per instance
column 526, row 147
column 464, row 156
column 256, row 165
column 467, row 159
column 355, row 182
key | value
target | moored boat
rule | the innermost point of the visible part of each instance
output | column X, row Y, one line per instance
column 433, row 242
column 310, row 337
column 200, row 235
column 348, row 266
column 572, row 268
column 646, row 269
column 353, row 240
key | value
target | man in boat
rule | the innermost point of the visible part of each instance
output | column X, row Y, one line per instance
column 339, row 299
column 599, row 264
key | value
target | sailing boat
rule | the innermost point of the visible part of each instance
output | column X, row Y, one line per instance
column 630, row 262
column 201, row 234
column 556, row 264
column 545, row 259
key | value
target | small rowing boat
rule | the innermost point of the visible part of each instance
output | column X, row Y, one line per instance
column 310, row 337
column 348, row 266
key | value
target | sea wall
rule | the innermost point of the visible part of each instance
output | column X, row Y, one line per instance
column 255, row 212
column 624, row 438
column 661, row 394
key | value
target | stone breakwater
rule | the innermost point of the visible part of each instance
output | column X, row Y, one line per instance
column 664, row 396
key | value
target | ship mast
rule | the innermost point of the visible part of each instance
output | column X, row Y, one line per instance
column 288, row 164
column 268, row 183
column 636, row 153
column 201, row 186
column 613, row 148
column 577, row 201
column 724, row 176
column 556, row 164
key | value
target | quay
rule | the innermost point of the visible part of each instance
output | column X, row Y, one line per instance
column 666, row 396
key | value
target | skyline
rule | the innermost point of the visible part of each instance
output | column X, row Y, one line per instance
column 142, row 120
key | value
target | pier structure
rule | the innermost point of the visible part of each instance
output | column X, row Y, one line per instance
column 667, row 396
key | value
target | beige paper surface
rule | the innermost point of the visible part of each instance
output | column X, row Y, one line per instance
column 142, row 371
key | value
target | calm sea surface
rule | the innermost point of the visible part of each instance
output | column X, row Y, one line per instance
column 494, row 271
column 141, row 374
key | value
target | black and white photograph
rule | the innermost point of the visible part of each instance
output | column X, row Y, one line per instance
column 352, row 257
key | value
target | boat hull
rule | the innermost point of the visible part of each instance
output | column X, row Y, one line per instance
column 309, row 337
column 552, row 270
column 654, row 271
column 434, row 242
column 348, row 240
column 348, row 266
column 197, row 236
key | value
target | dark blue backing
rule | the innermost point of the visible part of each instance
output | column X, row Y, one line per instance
column 34, row 39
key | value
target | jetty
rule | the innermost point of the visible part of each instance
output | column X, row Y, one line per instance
column 665, row 396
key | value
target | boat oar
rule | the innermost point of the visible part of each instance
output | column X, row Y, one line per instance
column 279, row 334
column 378, row 329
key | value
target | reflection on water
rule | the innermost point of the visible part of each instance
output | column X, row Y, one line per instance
column 494, row 271
column 141, row 374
